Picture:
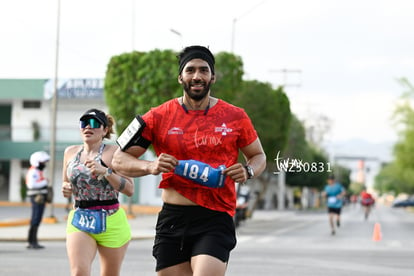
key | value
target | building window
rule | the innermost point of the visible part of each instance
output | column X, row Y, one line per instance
column 31, row 104
column 25, row 164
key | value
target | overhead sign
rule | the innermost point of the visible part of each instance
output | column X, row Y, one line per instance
column 75, row 89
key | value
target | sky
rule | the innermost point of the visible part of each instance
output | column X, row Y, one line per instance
column 342, row 59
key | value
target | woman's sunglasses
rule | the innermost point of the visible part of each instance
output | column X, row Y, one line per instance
column 92, row 122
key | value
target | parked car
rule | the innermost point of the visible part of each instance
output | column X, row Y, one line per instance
column 409, row 202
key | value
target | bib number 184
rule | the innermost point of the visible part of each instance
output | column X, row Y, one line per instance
column 201, row 173
column 192, row 171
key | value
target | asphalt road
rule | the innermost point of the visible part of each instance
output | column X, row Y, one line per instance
column 295, row 243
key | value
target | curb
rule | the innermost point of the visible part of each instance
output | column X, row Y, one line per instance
column 131, row 210
column 12, row 223
column 133, row 238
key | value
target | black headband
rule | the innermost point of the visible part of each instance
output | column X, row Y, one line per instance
column 193, row 52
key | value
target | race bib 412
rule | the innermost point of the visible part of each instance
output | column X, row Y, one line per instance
column 91, row 221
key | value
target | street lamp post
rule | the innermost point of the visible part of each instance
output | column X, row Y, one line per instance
column 133, row 25
column 179, row 35
column 53, row 115
column 233, row 30
column 233, row 34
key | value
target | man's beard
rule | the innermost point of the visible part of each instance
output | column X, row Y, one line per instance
column 196, row 96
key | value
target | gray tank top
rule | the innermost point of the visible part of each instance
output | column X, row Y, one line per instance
column 84, row 185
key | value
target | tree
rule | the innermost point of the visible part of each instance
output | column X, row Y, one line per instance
column 388, row 180
column 313, row 170
column 342, row 175
column 317, row 127
column 297, row 146
column 137, row 81
column 297, row 150
column 269, row 111
column 399, row 175
column 319, row 169
column 229, row 73
column 307, row 164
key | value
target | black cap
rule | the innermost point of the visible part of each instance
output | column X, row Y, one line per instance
column 97, row 114
column 192, row 52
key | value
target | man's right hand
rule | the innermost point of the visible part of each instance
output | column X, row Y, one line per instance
column 163, row 164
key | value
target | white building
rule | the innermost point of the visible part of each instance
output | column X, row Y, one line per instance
column 26, row 114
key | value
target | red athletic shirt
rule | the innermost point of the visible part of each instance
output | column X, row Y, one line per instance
column 365, row 195
column 366, row 198
column 214, row 138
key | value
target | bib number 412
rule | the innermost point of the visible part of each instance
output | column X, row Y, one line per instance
column 87, row 221
column 91, row 221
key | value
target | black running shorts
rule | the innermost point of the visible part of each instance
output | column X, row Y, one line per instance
column 186, row 231
column 334, row 210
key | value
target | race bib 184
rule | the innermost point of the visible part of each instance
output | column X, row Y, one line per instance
column 201, row 173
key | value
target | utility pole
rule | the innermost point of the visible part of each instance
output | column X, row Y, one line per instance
column 54, row 115
column 282, row 174
column 285, row 72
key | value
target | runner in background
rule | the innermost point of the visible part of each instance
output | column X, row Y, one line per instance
column 334, row 193
column 367, row 201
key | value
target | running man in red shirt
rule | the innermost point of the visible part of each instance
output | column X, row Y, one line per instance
column 197, row 139
column 367, row 200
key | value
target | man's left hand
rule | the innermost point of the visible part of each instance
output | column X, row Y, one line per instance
column 237, row 172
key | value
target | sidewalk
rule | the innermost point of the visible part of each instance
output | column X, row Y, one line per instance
column 14, row 221
column 15, row 218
